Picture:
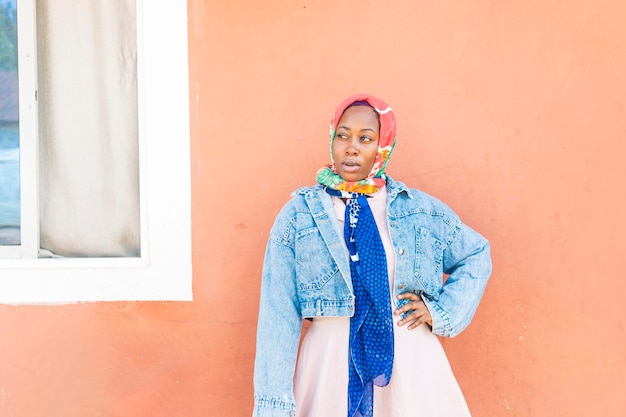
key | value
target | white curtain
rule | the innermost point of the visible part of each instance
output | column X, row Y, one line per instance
column 89, row 174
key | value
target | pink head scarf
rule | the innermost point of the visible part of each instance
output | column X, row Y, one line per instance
column 387, row 139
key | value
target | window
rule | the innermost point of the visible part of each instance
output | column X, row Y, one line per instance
column 18, row 160
column 9, row 127
column 161, row 270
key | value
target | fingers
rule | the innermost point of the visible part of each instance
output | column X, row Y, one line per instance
column 417, row 314
column 414, row 310
column 407, row 301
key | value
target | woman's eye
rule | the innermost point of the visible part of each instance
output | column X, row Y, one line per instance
column 366, row 139
column 342, row 135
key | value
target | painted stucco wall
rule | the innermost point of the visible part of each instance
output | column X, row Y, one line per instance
column 511, row 112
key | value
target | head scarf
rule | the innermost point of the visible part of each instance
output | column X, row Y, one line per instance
column 386, row 141
column 370, row 356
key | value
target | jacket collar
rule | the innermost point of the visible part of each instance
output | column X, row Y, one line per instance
column 396, row 187
column 393, row 188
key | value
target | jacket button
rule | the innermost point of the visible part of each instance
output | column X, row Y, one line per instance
column 401, row 251
column 400, row 286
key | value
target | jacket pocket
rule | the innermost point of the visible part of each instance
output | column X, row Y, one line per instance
column 428, row 262
column 315, row 266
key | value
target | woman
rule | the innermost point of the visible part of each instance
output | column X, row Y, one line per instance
column 354, row 254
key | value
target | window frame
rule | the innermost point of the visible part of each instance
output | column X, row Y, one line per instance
column 163, row 272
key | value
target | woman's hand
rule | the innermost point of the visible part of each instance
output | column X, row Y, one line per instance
column 418, row 316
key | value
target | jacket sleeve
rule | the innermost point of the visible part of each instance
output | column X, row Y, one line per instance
column 467, row 260
column 279, row 325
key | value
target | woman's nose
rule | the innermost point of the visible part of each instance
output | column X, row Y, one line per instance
column 352, row 147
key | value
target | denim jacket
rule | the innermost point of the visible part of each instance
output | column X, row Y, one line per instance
column 306, row 274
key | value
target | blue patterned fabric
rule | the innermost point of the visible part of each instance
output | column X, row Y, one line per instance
column 370, row 356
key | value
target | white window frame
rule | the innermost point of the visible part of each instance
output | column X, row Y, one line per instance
column 163, row 272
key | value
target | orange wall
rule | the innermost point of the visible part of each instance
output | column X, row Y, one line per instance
column 511, row 112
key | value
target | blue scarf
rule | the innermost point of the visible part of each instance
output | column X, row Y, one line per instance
column 370, row 353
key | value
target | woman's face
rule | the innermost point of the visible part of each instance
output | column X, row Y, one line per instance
column 356, row 143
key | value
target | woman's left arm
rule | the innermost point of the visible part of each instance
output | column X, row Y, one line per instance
column 467, row 261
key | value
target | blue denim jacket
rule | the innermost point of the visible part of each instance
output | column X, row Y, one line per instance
column 306, row 274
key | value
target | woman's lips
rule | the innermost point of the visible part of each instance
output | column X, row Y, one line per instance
column 351, row 166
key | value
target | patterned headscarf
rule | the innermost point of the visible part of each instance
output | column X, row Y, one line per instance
column 328, row 175
column 370, row 356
